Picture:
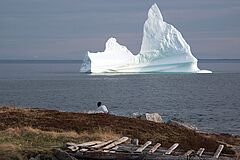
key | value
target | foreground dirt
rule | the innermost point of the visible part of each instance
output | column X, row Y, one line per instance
column 59, row 122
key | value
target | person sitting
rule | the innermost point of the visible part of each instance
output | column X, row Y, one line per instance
column 102, row 108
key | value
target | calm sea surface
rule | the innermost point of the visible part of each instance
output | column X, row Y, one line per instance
column 210, row 101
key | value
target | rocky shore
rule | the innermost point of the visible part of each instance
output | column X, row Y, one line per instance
column 28, row 133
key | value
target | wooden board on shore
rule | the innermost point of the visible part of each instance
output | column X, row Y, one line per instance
column 172, row 148
column 115, row 143
column 200, row 152
column 218, row 152
column 115, row 149
column 154, row 148
column 140, row 149
column 97, row 146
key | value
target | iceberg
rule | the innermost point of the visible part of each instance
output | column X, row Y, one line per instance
column 163, row 49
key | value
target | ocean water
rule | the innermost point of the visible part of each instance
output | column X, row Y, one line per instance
column 209, row 101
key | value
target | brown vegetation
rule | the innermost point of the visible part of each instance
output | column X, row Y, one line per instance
column 42, row 129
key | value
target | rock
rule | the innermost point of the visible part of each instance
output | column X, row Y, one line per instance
column 38, row 157
column 62, row 155
column 43, row 157
column 136, row 115
column 155, row 117
column 183, row 124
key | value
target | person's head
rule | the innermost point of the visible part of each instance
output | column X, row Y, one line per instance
column 99, row 104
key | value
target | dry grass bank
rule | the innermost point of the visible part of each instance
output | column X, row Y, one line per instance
column 18, row 143
column 39, row 130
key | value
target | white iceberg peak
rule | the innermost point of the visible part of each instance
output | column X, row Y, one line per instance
column 113, row 47
column 111, row 43
column 154, row 12
column 163, row 49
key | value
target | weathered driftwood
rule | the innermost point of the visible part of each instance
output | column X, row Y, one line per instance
column 87, row 144
column 200, row 152
column 140, row 149
column 84, row 150
column 115, row 143
column 188, row 153
column 154, row 148
column 97, row 146
column 172, row 148
column 218, row 152
column 73, row 148
column 106, row 151
column 114, row 149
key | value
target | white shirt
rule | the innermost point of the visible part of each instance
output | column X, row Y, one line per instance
column 102, row 109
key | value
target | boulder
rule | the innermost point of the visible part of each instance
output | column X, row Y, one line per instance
column 62, row 155
column 155, row 117
column 182, row 124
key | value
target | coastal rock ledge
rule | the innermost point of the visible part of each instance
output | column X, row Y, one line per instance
column 155, row 117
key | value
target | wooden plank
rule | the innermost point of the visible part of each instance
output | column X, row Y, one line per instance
column 73, row 148
column 115, row 143
column 115, row 148
column 97, row 146
column 219, row 150
column 200, row 151
column 109, row 151
column 140, row 149
column 87, row 144
column 188, row 153
column 154, row 148
column 83, row 150
column 70, row 144
column 172, row 148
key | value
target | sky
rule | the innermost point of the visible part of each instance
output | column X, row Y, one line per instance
column 67, row 29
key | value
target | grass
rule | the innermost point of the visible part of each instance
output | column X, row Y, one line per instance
column 25, row 132
column 14, row 142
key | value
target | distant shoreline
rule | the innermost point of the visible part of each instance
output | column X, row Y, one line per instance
column 80, row 61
